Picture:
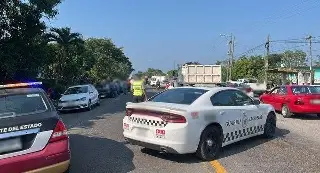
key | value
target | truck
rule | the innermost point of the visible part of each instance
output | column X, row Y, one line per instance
column 199, row 74
column 154, row 80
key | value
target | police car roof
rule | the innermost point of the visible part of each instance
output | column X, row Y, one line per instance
column 20, row 91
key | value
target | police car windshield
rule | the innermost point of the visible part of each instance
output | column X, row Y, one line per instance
column 21, row 104
column 179, row 96
column 76, row 90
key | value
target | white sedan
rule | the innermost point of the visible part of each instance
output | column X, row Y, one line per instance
column 197, row 120
column 79, row 97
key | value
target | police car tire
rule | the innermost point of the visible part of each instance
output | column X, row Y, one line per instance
column 270, row 126
column 215, row 132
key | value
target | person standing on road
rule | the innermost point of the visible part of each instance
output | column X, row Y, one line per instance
column 138, row 90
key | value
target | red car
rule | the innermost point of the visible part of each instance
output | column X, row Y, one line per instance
column 294, row 99
column 33, row 137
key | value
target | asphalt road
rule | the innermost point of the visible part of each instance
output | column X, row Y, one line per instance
column 97, row 146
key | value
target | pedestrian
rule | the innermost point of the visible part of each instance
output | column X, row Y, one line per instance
column 138, row 90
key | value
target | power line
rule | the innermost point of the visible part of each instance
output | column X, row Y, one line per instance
column 251, row 50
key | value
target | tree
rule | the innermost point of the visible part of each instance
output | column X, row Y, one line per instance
column 172, row 73
column 105, row 61
column 22, row 46
column 70, row 48
column 292, row 59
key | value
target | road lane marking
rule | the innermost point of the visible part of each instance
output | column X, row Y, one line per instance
column 218, row 167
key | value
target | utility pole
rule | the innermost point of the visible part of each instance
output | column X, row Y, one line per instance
column 230, row 54
column 311, row 59
column 266, row 63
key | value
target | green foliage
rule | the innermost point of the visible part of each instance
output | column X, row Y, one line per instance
column 172, row 73
column 22, row 46
column 59, row 55
column 253, row 66
column 150, row 72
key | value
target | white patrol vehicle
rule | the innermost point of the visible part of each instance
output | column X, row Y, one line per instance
column 197, row 120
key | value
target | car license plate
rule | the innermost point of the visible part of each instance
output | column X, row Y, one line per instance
column 142, row 132
column 316, row 101
column 10, row 145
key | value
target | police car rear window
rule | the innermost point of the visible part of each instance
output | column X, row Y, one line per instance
column 21, row 104
column 179, row 96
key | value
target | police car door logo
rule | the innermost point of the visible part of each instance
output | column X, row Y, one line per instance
column 244, row 121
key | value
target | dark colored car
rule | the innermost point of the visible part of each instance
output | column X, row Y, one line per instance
column 104, row 90
column 113, row 90
column 33, row 137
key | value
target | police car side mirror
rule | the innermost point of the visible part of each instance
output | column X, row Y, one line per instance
column 256, row 102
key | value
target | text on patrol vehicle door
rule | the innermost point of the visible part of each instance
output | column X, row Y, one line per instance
column 230, row 116
column 252, row 117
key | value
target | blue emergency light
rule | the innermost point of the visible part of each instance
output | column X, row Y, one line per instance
column 29, row 84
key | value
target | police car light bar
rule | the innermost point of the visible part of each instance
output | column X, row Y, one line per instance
column 20, row 85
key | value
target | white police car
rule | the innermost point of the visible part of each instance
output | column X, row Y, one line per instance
column 79, row 97
column 197, row 120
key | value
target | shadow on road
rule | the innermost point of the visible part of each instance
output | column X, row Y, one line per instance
column 183, row 158
column 99, row 155
column 305, row 117
column 108, row 107
column 250, row 143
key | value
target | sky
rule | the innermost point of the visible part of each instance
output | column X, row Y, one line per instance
column 162, row 33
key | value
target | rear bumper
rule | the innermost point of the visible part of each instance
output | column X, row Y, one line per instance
column 53, row 158
column 305, row 109
column 178, row 139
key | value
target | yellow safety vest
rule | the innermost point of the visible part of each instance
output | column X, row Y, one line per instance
column 137, row 88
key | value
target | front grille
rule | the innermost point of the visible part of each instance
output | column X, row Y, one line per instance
column 147, row 122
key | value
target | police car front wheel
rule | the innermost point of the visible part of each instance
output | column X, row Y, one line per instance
column 270, row 126
column 210, row 143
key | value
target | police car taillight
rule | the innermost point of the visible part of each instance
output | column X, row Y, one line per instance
column 173, row 118
column 59, row 133
column 129, row 112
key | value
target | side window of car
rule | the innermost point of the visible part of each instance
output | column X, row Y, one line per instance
column 241, row 99
column 222, row 98
column 90, row 88
column 274, row 91
column 283, row 90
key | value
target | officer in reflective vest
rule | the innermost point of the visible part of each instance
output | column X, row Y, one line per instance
column 138, row 90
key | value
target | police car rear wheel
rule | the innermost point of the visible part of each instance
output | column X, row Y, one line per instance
column 210, row 143
column 270, row 126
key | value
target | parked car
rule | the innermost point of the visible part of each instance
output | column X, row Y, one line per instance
column 294, row 99
column 124, row 86
column 104, row 90
column 118, row 88
column 113, row 90
column 79, row 97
